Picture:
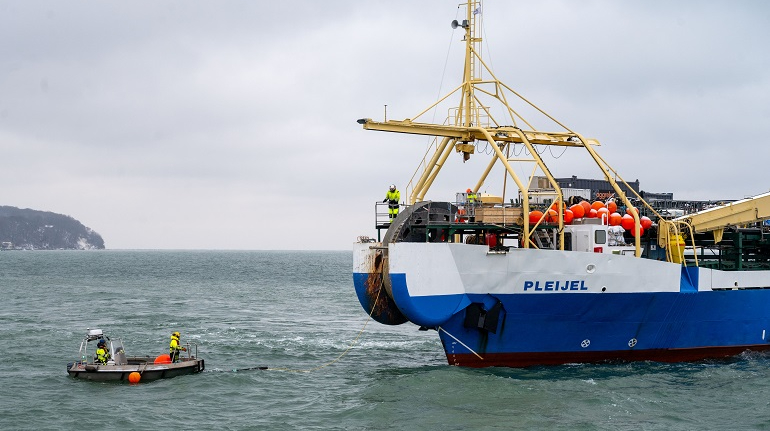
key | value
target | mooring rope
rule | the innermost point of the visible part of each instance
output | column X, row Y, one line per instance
column 461, row 343
column 350, row 346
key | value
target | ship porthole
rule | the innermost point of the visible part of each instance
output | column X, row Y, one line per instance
column 585, row 343
column 590, row 268
column 632, row 342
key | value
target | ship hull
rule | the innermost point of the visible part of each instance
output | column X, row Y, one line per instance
column 543, row 307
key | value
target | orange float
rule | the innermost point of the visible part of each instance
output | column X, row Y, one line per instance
column 568, row 216
column 629, row 209
column 586, row 207
column 645, row 222
column 555, row 206
column 597, row 204
column 535, row 216
column 134, row 377
column 552, row 217
column 641, row 231
column 627, row 222
column 592, row 213
column 577, row 211
column 163, row 359
column 615, row 219
column 602, row 212
column 612, row 206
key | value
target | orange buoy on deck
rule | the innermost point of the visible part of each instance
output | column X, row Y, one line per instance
column 627, row 222
column 586, row 207
column 577, row 211
column 641, row 231
column 645, row 222
column 552, row 217
column 568, row 216
column 615, row 219
column 534, row 216
column 597, row 204
column 163, row 359
column 603, row 213
column 592, row 213
column 612, row 206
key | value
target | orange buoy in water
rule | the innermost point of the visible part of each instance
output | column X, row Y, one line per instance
column 134, row 377
column 163, row 359
column 577, row 211
column 534, row 216
column 615, row 219
column 568, row 216
column 592, row 213
column 627, row 222
column 612, row 206
column 597, row 204
column 645, row 222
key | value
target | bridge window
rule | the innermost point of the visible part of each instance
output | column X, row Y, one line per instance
column 600, row 236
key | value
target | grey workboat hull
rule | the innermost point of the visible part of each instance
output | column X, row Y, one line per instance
column 143, row 365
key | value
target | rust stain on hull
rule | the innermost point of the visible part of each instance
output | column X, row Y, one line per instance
column 385, row 310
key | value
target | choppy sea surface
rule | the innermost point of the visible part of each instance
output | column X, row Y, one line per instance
column 298, row 310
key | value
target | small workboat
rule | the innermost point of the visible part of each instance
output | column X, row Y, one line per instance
column 120, row 367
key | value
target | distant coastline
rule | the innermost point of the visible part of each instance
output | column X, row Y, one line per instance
column 28, row 229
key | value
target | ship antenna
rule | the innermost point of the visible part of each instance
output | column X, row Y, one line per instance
column 472, row 43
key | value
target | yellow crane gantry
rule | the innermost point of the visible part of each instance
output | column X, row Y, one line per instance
column 466, row 128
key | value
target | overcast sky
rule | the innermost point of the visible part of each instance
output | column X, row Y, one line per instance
column 232, row 124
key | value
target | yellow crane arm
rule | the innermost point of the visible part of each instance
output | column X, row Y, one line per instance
column 736, row 213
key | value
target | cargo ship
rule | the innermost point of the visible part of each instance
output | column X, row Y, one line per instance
column 522, row 275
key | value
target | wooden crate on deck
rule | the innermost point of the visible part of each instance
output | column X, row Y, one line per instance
column 499, row 215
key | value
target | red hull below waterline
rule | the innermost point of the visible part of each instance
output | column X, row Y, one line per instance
column 518, row 360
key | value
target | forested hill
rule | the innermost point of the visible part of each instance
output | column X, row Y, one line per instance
column 28, row 229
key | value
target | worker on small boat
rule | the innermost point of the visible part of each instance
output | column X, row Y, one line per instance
column 102, row 354
column 392, row 197
column 174, row 347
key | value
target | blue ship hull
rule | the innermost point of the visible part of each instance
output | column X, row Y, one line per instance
column 566, row 328
column 510, row 319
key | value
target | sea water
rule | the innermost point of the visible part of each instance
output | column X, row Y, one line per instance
column 298, row 311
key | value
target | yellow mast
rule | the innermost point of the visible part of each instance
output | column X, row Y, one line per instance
column 465, row 129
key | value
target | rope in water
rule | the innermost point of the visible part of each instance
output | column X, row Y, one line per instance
column 350, row 346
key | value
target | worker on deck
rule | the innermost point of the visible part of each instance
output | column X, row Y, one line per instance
column 472, row 200
column 102, row 354
column 174, row 347
column 471, row 196
column 392, row 197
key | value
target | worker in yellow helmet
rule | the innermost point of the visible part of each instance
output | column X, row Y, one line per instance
column 392, row 197
column 174, row 347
